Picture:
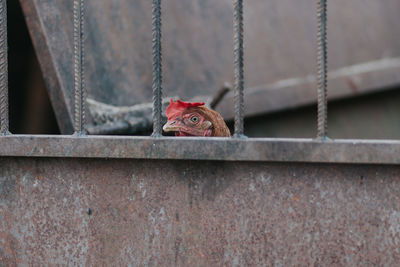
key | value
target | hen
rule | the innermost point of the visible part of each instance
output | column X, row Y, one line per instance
column 194, row 119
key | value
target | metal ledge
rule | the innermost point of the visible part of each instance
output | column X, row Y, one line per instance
column 191, row 148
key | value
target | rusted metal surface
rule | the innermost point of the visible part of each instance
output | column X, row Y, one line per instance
column 280, row 44
column 254, row 149
column 191, row 213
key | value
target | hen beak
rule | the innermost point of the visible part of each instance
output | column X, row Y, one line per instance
column 171, row 126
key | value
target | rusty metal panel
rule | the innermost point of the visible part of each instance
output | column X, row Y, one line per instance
column 193, row 213
column 280, row 39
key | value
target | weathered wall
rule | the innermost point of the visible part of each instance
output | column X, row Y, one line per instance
column 187, row 213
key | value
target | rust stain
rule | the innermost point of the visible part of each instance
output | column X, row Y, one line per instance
column 131, row 209
column 201, row 254
column 5, row 235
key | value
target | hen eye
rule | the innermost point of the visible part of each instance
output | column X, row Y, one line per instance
column 194, row 119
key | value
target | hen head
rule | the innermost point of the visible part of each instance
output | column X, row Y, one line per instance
column 194, row 119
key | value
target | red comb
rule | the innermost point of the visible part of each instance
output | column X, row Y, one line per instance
column 176, row 108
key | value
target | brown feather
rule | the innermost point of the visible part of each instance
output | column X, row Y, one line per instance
column 219, row 126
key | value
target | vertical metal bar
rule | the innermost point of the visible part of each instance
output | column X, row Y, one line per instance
column 157, row 68
column 79, row 67
column 4, row 119
column 238, row 67
column 322, row 70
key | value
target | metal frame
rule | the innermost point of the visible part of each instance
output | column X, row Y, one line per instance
column 321, row 149
column 203, row 148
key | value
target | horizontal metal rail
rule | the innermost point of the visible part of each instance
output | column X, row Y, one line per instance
column 192, row 148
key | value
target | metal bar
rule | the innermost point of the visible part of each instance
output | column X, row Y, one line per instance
column 322, row 70
column 191, row 148
column 4, row 119
column 238, row 65
column 79, row 66
column 157, row 68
